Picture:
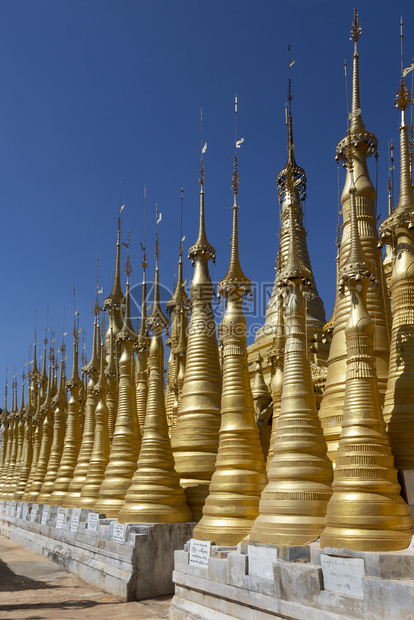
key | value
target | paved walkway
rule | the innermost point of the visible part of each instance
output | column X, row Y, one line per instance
column 33, row 588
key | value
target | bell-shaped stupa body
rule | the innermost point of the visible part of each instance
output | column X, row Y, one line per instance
column 276, row 355
column 73, row 436
column 100, row 453
column 398, row 231
column 366, row 511
column 196, row 437
column 88, row 435
column 378, row 307
column 155, row 494
column 293, row 504
column 315, row 312
column 240, row 472
column 126, row 440
column 10, row 456
column 59, row 407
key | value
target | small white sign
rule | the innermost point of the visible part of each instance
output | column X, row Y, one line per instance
column 199, row 552
column 7, row 509
column 25, row 512
column 60, row 519
column 74, row 520
column 93, row 521
column 119, row 533
column 33, row 515
column 13, row 510
column 45, row 517
column 18, row 511
column 343, row 575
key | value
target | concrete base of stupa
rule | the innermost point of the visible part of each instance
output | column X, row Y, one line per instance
column 131, row 561
column 262, row 582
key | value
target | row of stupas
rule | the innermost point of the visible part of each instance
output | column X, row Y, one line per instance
column 126, row 446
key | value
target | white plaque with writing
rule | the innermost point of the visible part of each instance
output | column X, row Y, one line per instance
column 119, row 532
column 33, row 514
column 343, row 575
column 199, row 552
column 74, row 520
column 60, row 519
column 7, row 509
column 93, row 521
column 13, row 510
column 45, row 516
column 18, row 511
column 25, row 512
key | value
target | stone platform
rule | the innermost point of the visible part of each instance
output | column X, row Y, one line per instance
column 131, row 561
column 263, row 582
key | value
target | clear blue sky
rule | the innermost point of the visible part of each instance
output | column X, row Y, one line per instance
column 96, row 91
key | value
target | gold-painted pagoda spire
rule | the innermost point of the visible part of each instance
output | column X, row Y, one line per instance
column 59, row 406
column 178, row 307
column 111, row 374
column 143, row 342
column 315, row 310
column 155, row 494
column 196, row 438
column 92, row 370
column 100, row 453
column 364, row 144
column 27, row 448
column 240, row 473
column 113, row 303
column 398, row 232
column 14, row 478
column 4, row 421
column 73, row 437
column 366, row 511
column 126, row 440
column 10, row 456
column 293, row 504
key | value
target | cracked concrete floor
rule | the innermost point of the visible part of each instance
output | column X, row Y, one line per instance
column 33, row 588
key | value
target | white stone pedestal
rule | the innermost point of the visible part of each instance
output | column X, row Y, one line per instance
column 133, row 564
column 263, row 582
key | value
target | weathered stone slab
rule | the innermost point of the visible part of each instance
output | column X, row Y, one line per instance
column 261, row 559
column 343, row 575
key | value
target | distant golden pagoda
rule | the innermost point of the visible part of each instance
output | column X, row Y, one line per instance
column 276, row 356
column 142, row 347
column 196, row 437
column 27, row 448
column 315, row 310
column 293, row 504
column 364, row 144
column 126, row 440
column 155, row 494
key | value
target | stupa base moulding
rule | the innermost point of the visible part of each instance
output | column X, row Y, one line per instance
column 131, row 561
column 263, row 582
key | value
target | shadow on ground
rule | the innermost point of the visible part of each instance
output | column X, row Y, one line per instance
column 11, row 581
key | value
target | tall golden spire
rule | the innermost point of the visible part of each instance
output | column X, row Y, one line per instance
column 178, row 308
column 10, row 457
column 155, row 494
column 85, row 451
column 363, row 144
column 14, row 478
column 195, row 441
column 27, row 449
column 397, row 232
column 366, row 511
column 111, row 374
column 113, row 303
column 72, row 440
column 291, row 187
column 240, row 476
column 100, row 453
column 59, row 408
column 5, row 430
column 143, row 343
column 293, row 504
column 126, row 440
